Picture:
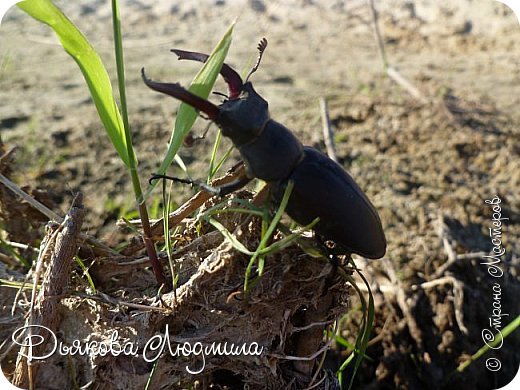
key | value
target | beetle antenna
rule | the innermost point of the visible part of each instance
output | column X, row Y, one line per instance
column 261, row 48
column 221, row 94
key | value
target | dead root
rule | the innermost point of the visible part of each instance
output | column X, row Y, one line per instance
column 283, row 315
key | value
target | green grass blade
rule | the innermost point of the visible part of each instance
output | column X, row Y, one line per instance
column 213, row 158
column 221, row 162
column 11, row 251
column 118, row 41
column 17, row 285
column 181, row 165
column 230, row 237
column 498, row 340
column 341, row 341
column 86, row 273
column 365, row 330
column 268, row 234
column 152, row 373
column 222, row 207
column 200, row 86
column 96, row 76
column 287, row 240
column 168, row 241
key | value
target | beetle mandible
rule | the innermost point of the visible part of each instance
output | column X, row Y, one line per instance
column 322, row 189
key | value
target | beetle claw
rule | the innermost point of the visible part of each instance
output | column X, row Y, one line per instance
column 178, row 92
column 232, row 78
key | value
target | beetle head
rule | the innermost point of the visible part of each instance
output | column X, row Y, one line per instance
column 241, row 116
column 243, row 119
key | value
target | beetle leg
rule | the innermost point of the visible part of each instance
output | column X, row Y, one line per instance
column 191, row 139
column 232, row 78
column 234, row 168
column 222, row 190
column 204, row 186
column 236, row 184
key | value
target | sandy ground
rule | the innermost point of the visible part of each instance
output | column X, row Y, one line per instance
column 426, row 167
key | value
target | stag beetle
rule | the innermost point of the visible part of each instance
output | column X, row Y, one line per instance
column 272, row 153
